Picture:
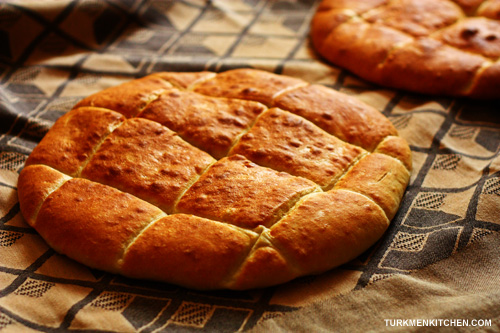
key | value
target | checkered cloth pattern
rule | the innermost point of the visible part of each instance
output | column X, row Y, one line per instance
column 54, row 53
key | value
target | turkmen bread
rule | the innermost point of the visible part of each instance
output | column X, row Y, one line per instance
column 238, row 180
column 439, row 47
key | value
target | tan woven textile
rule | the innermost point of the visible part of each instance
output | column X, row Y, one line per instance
column 462, row 288
column 54, row 53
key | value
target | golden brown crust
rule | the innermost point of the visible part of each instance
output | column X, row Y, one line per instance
column 248, row 84
column 187, row 250
column 332, row 13
column 94, row 232
column 490, row 9
column 286, row 142
column 184, row 80
column 396, row 146
column 210, row 123
column 325, row 21
column 233, row 191
column 488, row 80
column 263, row 257
column 476, row 35
column 357, row 6
column 432, row 66
column 379, row 177
column 128, row 98
column 425, row 46
column 70, row 142
column 35, row 184
column 320, row 233
column 233, row 223
column 160, row 176
column 417, row 18
column 362, row 47
column 469, row 6
column 338, row 114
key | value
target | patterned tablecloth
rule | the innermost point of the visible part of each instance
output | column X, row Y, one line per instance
column 438, row 261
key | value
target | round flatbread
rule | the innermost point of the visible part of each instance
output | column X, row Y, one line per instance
column 438, row 47
column 238, row 180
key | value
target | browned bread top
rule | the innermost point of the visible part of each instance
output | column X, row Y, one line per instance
column 129, row 98
column 286, row 142
column 149, row 160
column 239, row 192
column 248, row 84
column 430, row 46
column 74, row 221
column 210, row 123
column 237, row 180
column 72, row 140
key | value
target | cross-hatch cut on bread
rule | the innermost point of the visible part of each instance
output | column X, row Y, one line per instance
column 438, row 47
column 238, row 180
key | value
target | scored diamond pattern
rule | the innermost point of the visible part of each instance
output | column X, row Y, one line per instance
column 257, row 180
column 427, row 31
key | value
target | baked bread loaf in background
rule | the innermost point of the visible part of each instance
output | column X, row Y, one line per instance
column 238, row 180
column 441, row 47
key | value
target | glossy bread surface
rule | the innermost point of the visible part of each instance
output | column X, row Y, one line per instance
column 241, row 179
column 441, row 47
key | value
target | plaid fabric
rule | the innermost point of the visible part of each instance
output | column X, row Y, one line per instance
column 56, row 52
